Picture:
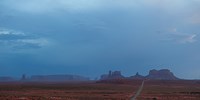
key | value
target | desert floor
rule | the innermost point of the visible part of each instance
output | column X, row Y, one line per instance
column 152, row 90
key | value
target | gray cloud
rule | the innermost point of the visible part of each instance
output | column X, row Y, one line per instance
column 179, row 37
column 19, row 40
column 46, row 6
column 23, row 46
column 194, row 19
column 97, row 35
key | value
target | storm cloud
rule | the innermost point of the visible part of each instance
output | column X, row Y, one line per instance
column 90, row 37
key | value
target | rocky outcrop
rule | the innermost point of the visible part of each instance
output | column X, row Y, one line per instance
column 163, row 74
column 2, row 79
column 137, row 76
column 112, row 75
column 58, row 78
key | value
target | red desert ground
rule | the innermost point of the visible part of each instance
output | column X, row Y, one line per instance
column 158, row 85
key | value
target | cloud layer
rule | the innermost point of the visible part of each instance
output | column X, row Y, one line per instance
column 38, row 6
column 179, row 37
column 18, row 40
column 68, row 36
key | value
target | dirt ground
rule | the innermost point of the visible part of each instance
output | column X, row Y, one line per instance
column 171, row 90
column 153, row 90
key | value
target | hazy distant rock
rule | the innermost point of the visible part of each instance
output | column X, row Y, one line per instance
column 112, row 75
column 58, row 78
column 24, row 78
column 137, row 76
column 2, row 79
column 163, row 74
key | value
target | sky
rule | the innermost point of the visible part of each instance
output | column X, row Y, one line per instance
column 91, row 37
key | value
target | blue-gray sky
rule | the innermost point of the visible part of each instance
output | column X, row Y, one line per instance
column 90, row 37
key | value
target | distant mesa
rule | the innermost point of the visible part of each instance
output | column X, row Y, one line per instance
column 112, row 75
column 58, row 78
column 137, row 76
column 163, row 74
column 46, row 78
column 5, row 78
column 23, row 77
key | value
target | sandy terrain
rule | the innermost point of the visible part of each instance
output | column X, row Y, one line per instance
column 152, row 90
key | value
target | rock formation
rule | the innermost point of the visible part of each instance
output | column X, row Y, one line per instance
column 137, row 76
column 163, row 74
column 23, row 78
column 2, row 79
column 112, row 75
column 58, row 78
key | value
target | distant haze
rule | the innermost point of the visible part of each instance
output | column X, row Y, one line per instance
column 91, row 37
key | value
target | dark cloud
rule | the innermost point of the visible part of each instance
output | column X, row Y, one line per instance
column 97, row 36
column 10, row 37
column 27, row 46
column 16, row 40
